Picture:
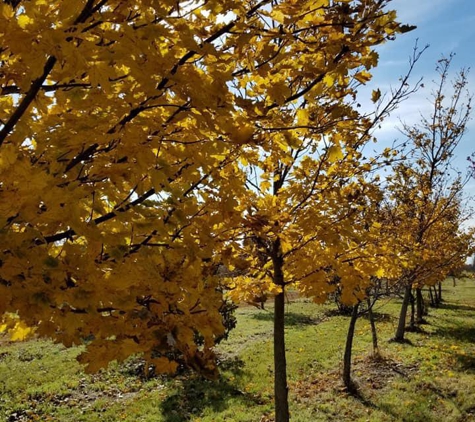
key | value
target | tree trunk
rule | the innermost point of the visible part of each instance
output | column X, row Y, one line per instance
column 281, row 390
column 436, row 297
column 440, row 292
column 432, row 301
column 419, row 307
column 348, row 348
column 374, row 334
column 401, row 328
column 280, row 366
column 412, row 322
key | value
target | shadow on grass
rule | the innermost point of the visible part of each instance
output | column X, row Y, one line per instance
column 456, row 307
column 466, row 362
column 291, row 318
column 403, row 341
column 357, row 393
column 196, row 394
column 462, row 333
column 380, row 317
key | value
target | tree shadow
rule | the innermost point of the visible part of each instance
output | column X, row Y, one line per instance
column 291, row 318
column 462, row 333
column 403, row 341
column 416, row 328
column 196, row 393
column 457, row 307
column 466, row 362
column 380, row 317
column 357, row 393
column 460, row 310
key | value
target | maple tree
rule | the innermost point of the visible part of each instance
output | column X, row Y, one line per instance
column 309, row 212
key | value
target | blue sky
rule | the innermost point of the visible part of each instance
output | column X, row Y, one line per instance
column 448, row 26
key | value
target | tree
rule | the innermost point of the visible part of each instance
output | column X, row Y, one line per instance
column 425, row 199
column 307, row 210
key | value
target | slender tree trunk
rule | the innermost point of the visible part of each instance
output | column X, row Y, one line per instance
column 436, row 297
column 348, row 350
column 412, row 321
column 419, row 307
column 440, row 292
column 374, row 334
column 401, row 328
column 431, row 295
column 280, row 365
column 281, row 390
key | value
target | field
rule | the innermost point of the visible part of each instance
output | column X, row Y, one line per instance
column 431, row 378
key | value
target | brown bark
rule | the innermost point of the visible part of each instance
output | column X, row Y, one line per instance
column 401, row 328
column 374, row 333
column 419, row 307
column 412, row 321
column 431, row 296
column 281, row 390
column 348, row 349
column 436, row 297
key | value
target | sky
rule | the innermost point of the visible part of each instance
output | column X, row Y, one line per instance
column 448, row 26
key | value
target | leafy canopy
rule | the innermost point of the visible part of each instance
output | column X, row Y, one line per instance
column 124, row 129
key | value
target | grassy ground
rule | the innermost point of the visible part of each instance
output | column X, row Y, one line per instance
column 429, row 379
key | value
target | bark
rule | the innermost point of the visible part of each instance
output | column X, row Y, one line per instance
column 419, row 307
column 412, row 322
column 281, row 390
column 348, row 349
column 401, row 328
column 374, row 333
column 431, row 296
column 436, row 297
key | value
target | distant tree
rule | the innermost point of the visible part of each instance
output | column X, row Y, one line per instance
column 425, row 198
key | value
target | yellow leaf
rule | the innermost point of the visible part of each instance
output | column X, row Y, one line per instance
column 265, row 185
column 375, row 95
column 8, row 156
column 329, row 80
column 334, row 153
column 164, row 365
column 6, row 11
column 302, row 117
column 20, row 331
column 363, row 77
column 24, row 21
column 278, row 16
column 243, row 134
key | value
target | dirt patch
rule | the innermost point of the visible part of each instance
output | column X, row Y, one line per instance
column 369, row 373
column 380, row 370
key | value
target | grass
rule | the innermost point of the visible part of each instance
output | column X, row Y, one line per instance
column 429, row 379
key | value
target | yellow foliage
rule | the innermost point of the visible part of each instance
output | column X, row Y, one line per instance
column 133, row 144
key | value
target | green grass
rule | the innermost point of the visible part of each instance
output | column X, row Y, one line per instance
column 430, row 379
